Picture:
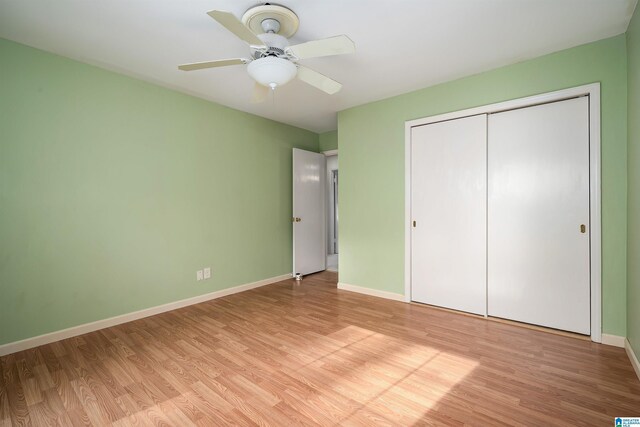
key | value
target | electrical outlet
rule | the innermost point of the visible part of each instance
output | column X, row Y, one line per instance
column 207, row 273
column 199, row 275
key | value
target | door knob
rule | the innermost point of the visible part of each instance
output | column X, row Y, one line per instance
column 583, row 228
column 298, row 219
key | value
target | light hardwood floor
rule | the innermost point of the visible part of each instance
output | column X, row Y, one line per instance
column 309, row 354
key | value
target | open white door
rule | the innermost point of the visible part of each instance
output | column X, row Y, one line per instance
column 309, row 222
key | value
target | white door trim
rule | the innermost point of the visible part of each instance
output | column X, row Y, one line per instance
column 593, row 91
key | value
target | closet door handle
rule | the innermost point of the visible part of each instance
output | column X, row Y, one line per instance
column 583, row 228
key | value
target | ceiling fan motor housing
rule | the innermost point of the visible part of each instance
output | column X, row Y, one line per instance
column 275, row 43
column 270, row 25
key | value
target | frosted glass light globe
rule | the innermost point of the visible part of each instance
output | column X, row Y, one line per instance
column 272, row 71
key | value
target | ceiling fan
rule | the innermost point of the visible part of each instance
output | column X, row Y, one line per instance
column 273, row 62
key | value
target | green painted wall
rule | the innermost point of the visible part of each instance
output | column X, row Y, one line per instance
column 633, row 163
column 372, row 163
column 113, row 192
column 328, row 140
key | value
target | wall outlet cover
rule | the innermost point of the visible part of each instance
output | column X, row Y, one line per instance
column 207, row 273
column 199, row 275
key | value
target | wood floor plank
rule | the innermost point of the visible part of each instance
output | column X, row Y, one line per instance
column 309, row 354
column 76, row 417
column 65, row 391
column 89, row 402
column 18, row 409
column 43, row 415
column 183, row 404
column 5, row 411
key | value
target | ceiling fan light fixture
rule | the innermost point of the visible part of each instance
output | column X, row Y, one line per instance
column 272, row 71
column 266, row 29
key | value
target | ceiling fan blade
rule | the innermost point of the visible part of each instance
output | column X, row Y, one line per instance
column 318, row 80
column 212, row 64
column 233, row 24
column 260, row 94
column 337, row 45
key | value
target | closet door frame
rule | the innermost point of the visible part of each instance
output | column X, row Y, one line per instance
column 595, row 240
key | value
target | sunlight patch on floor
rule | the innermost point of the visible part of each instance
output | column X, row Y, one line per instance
column 375, row 373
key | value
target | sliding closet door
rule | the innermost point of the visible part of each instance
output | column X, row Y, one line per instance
column 448, row 207
column 538, row 215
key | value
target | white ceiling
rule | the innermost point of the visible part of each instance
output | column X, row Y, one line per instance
column 402, row 45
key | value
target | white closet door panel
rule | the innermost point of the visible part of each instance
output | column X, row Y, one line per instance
column 538, row 197
column 448, row 204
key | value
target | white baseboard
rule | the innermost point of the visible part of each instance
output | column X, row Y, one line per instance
column 28, row 343
column 614, row 340
column 632, row 357
column 371, row 292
